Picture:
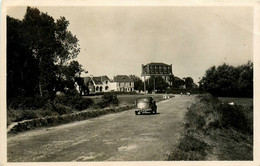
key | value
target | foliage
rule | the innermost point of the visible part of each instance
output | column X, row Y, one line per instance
column 138, row 83
column 38, row 52
column 156, row 83
column 43, row 121
column 74, row 100
column 226, row 80
column 216, row 129
column 178, row 83
column 188, row 82
column 29, row 103
column 108, row 99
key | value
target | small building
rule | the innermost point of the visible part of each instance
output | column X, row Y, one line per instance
column 97, row 84
column 123, row 83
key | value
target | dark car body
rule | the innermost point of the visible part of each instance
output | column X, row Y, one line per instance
column 146, row 104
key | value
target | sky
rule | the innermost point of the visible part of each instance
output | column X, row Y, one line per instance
column 118, row 40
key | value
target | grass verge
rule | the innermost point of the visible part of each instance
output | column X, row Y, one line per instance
column 215, row 130
column 62, row 119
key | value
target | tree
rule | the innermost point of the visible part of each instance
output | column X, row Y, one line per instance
column 22, row 70
column 156, row 83
column 138, row 83
column 226, row 80
column 178, row 83
column 188, row 82
column 245, row 80
column 45, row 47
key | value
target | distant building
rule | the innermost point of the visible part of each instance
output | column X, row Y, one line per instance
column 123, row 83
column 157, row 69
column 97, row 84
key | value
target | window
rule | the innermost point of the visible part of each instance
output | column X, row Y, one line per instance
column 106, row 88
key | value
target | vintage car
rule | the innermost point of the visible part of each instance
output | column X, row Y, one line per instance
column 146, row 104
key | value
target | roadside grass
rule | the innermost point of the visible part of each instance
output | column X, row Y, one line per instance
column 214, row 130
column 61, row 109
column 239, row 101
column 62, row 119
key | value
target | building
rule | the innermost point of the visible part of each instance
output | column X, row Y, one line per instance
column 158, row 69
column 123, row 83
column 97, row 84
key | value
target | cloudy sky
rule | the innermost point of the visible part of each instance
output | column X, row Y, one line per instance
column 118, row 40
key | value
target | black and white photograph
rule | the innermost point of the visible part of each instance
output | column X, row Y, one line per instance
column 110, row 83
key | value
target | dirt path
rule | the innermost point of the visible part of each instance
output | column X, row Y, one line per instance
column 115, row 137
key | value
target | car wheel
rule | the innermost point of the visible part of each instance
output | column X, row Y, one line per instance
column 136, row 112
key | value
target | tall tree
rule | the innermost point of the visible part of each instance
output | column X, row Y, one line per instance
column 226, row 80
column 48, row 45
column 22, row 70
column 188, row 82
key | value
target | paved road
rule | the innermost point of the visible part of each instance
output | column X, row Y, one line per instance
column 115, row 137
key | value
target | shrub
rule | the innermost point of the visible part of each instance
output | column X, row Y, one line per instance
column 234, row 116
column 195, row 119
column 26, row 103
column 108, row 99
column 190, row 148
column 74, row 100
column 60, row 108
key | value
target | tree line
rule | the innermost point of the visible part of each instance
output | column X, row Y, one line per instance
column 227, row 80
column 40, row 53
column 159, row 84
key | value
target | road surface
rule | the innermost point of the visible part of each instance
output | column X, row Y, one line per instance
column 114, row 137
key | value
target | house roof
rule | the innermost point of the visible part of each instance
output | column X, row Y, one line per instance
column 157, row 63
column 122, row 78
column 177, row 78
column 96, row 80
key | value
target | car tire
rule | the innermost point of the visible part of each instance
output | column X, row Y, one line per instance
column 136, row 112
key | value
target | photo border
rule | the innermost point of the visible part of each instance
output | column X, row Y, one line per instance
column 256, row 60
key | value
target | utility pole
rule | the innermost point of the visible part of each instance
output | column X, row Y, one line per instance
column 154, row 84
column 144, row 85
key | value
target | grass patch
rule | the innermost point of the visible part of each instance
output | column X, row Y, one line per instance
column 66, row 118
column 238, row 101
column 215, row 130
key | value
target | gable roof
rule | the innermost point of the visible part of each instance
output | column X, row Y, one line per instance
column 122, row 78
column 96, row 80
column 105, row 78
column 178, row 79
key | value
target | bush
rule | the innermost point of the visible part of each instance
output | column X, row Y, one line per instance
column 74, row 100
column 60, row 108
column 108, row 99
column 26, row 103
column 234, row 116
column 190, row 148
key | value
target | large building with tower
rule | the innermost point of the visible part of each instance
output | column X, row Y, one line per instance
column 157, row 69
